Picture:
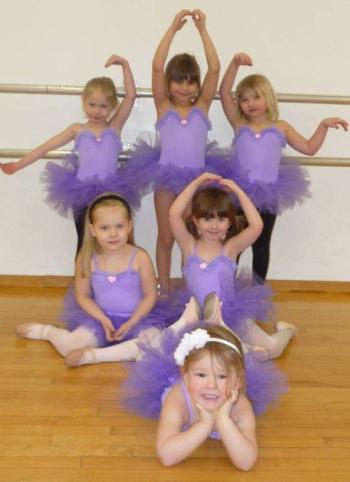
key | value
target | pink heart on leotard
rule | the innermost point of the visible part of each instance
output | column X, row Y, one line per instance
column 112, row 279
column 203, row 265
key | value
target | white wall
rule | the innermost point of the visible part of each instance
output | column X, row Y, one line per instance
column 303, row 47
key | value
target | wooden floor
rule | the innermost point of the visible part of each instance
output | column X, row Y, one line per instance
column 61, row 424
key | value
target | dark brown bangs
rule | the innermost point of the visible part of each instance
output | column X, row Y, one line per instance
column 212, row 202
column 183, row 67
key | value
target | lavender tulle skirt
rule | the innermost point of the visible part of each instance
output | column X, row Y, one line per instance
column 290, row 189
column 74, row 317
column 66, row 192
column 149, row 379
column 144, row 168
column 244, row 300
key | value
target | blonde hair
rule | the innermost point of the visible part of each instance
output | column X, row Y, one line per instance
column 231, row 359
column 261, row 86
column 104, row 85
column 90, row 245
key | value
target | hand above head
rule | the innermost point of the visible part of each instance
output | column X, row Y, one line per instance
column 208, row 177
column 242, row 59
column 229, row 184
column 335, row 123
column 180, row 20
column 115, row 60
column 9, row 167
column 198, row 18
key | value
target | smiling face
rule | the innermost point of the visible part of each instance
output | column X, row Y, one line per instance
column 97, row 108
column 212, row 227
column 183, row 93
column 208, row 381
column 111, row 227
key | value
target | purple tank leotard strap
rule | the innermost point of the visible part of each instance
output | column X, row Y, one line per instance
column 183, row 140
column 260, row 152
column 98, row 156
column 117, row 293
column 204, row 277
column 214, row 434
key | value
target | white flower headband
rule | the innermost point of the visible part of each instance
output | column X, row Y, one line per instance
column 197, row 339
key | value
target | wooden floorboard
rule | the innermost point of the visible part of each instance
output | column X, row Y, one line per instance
column 61, row 424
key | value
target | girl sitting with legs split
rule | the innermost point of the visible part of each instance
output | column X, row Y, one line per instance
column 114, row 292
column 210, row 244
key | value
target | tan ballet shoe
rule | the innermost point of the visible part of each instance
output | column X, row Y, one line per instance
column 32, row 331
column 212, row 309
column 75, row 358
column 283, row 325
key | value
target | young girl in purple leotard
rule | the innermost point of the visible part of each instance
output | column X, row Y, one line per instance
column 272, row 183
column 114, row 292
column 202, row 382
column 182, row 105
column 210, row 245
column 93, row 166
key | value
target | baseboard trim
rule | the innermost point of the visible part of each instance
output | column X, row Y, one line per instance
column 277, row 285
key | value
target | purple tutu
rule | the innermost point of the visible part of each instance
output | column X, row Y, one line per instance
column 74, row 317
column 66, row 191
column 259, row 168
column 148, row 174
column 150, row 378
column 290, row 189
column 242, row 299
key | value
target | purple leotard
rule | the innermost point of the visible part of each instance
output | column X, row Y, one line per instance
column 181, row 155
column 118, row 295
column 98, row 156
column 183, row 140
column 241, row 298
column 89, row 171
column 271, row 182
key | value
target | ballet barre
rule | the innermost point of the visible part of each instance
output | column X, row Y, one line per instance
column 147, row 93
column 142, row 92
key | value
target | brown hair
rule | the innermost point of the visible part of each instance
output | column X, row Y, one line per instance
column 90, row 245
column 209, row 203
column 182, row 67
column 228, row 357
column 104, row 85
column 261, row 86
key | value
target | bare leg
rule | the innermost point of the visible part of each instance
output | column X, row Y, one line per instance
column 165, row 239
column 63, row 340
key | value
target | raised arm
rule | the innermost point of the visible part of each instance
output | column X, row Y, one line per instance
column 312, row 145
column 124, row 109
column 229, row 103
column 145, row 267
column 82, row 291
column 180, row 206
column 57, row 141
column 245, row 238
column 210, row 82
column 160, row 94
